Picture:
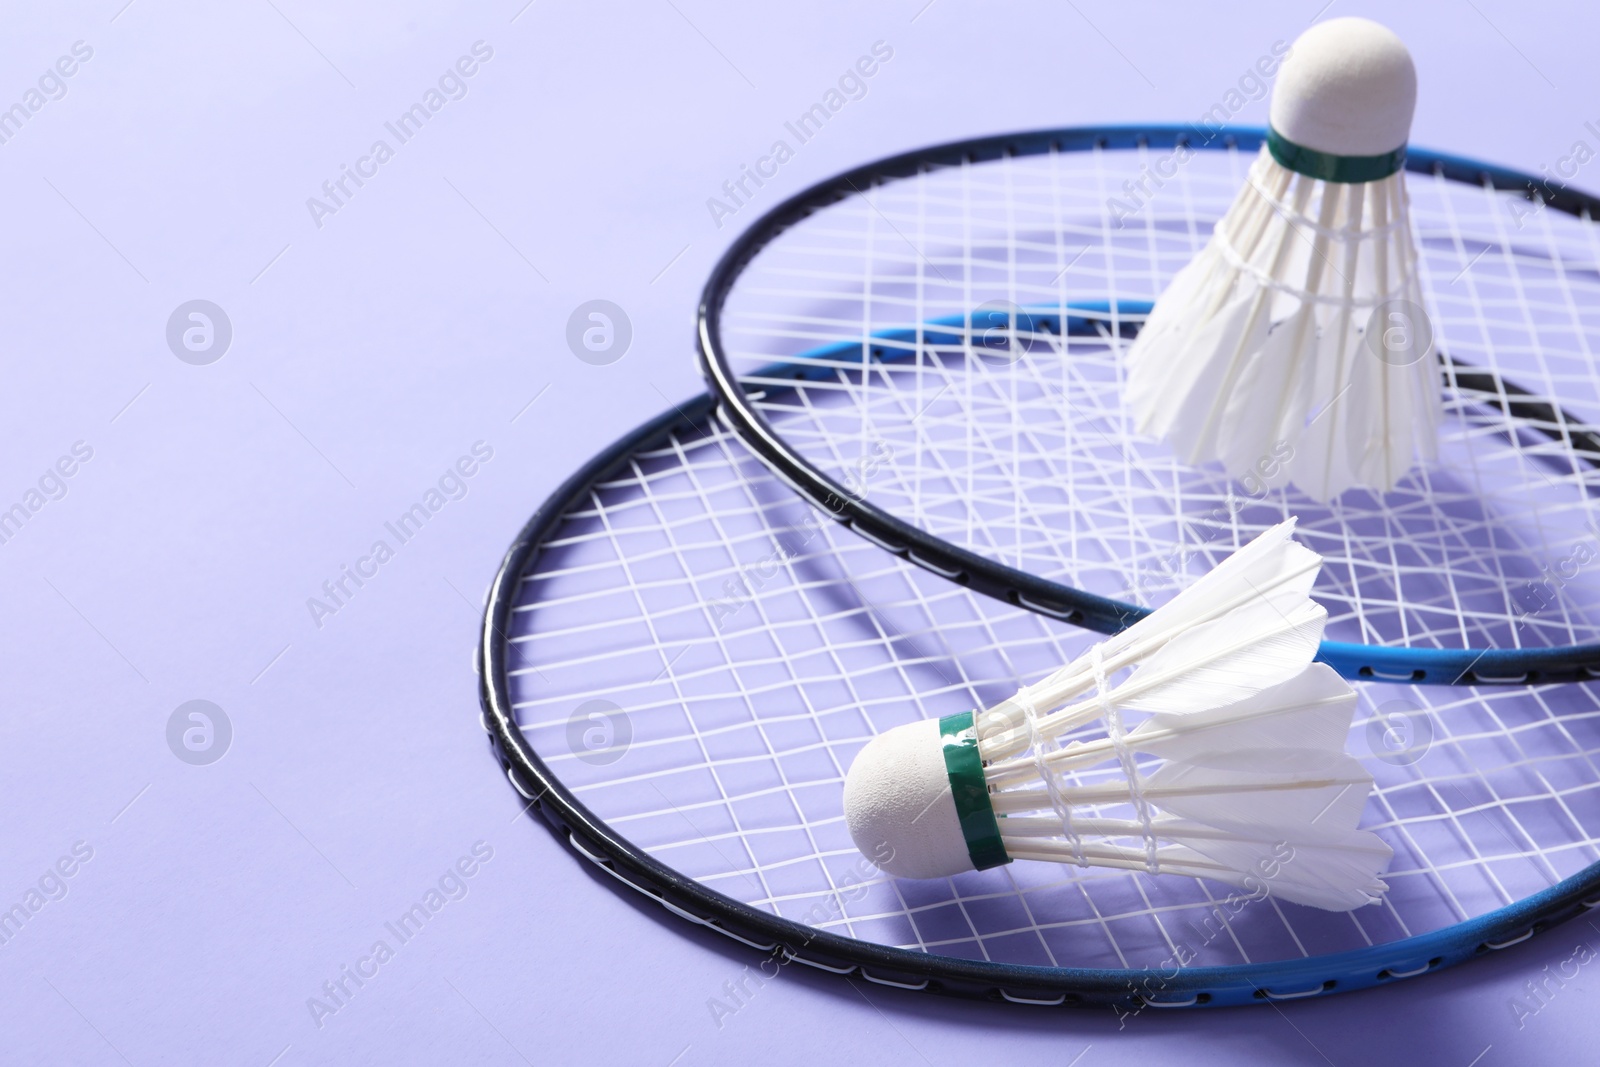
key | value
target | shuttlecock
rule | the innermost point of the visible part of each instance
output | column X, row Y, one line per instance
column 1223, row 756
column 1295, row 347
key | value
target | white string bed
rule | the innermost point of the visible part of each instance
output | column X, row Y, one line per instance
column 1019, row 447
column 745, row 649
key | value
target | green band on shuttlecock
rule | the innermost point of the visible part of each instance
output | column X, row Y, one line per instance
column 1332, row 168
column 979, row 827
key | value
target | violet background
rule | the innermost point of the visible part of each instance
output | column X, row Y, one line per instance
column 368, row 354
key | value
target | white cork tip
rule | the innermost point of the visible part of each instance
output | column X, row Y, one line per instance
column 898, row 804
column 1348, row 88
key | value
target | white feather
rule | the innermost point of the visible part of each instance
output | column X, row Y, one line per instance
column 1259, row 348
column 1313, row 709
column 1272, row 565
column 1249, row 731
column 1253, row 648
column 1274, row 792
column 1339, row 872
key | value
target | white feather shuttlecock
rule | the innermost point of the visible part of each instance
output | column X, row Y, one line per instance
column 1295, row 347
column 1223, row 756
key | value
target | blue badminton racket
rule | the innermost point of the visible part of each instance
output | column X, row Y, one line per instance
column 681, row 658
column 929, row 348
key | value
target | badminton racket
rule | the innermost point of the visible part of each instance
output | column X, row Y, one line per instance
column 929, row 349
column 680, row 658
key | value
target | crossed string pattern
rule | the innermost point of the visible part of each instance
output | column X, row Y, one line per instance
column 754, row 658
column 1031, row 459
column 750, row 655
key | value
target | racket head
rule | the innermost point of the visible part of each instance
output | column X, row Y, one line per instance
column 843, row 334
column 743, row 647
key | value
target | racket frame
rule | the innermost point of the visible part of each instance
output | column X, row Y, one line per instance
column 785, row 941
column 1439, row 666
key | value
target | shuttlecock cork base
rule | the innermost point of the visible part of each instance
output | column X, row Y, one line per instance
column 1260, row 347
column 916, row 797
column 1222, row 757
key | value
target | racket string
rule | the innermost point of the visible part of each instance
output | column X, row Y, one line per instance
column 1018, row 235
column 1027, row 457
column 774, row 715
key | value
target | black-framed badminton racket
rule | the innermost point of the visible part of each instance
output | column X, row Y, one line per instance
column 680, row 658
column 930, row 348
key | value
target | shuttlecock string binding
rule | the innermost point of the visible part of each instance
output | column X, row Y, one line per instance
column 1243, row 227
column 1111, row 712
column 1238, row 753
column 1040, row 747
